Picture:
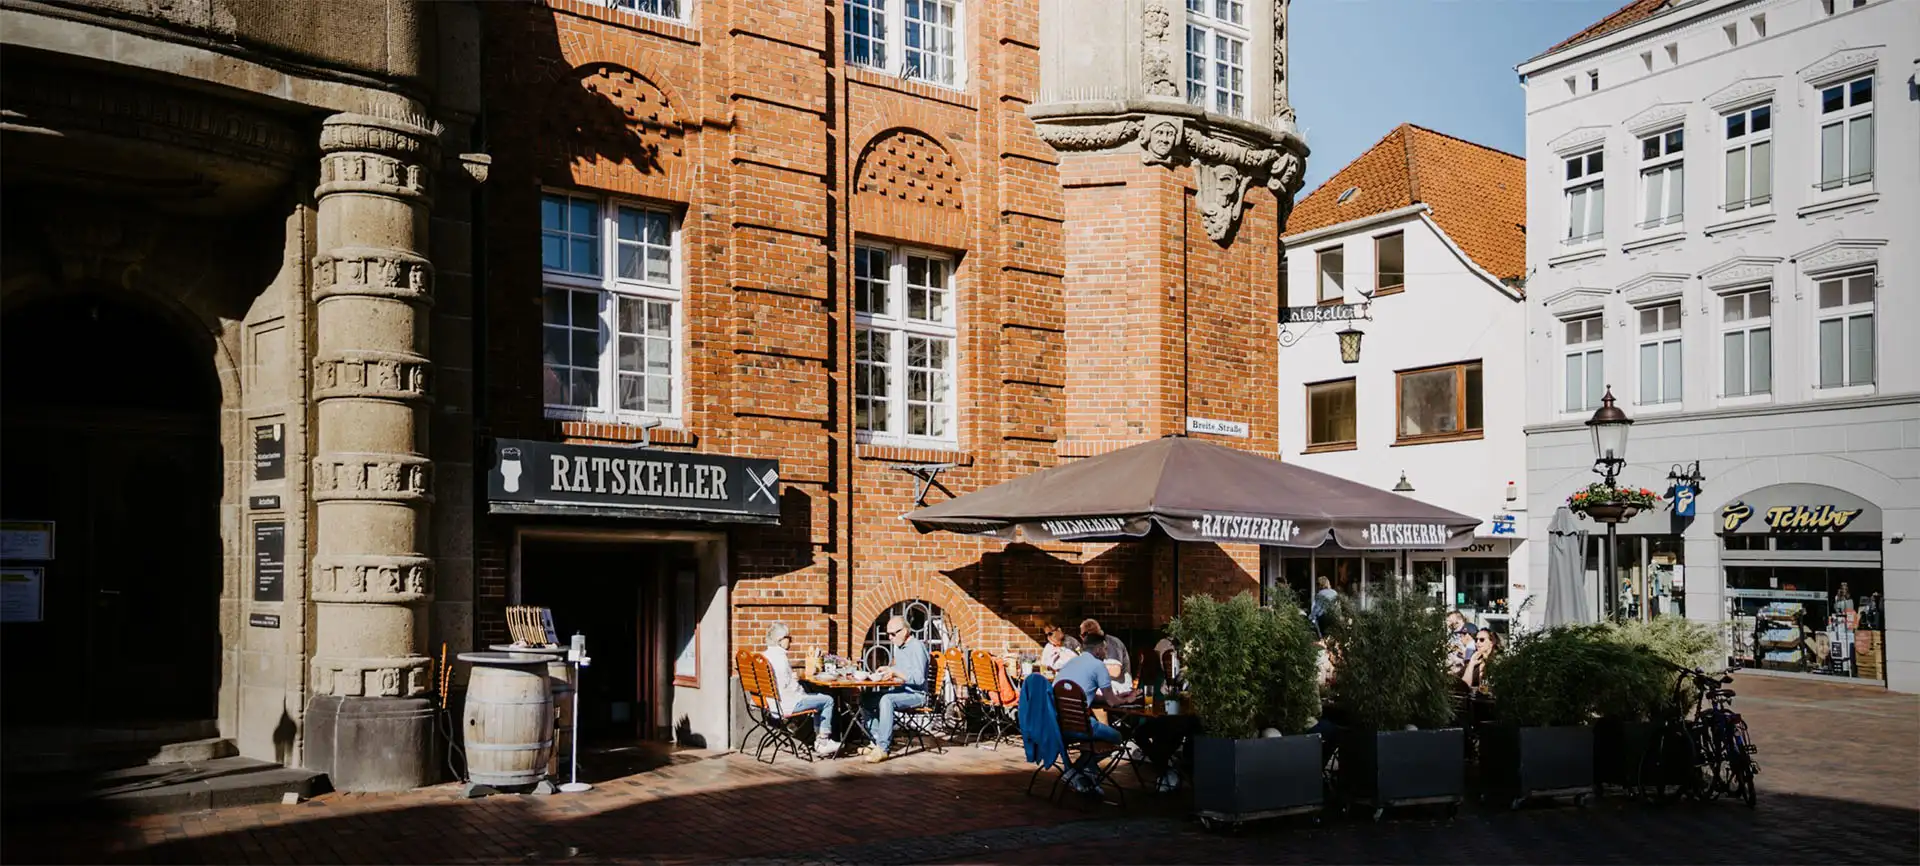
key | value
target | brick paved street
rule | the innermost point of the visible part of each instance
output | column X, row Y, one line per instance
column 1841, row 783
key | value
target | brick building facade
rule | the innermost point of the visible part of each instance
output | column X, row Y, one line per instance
column 919, row 257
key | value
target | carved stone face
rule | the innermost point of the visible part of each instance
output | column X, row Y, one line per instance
column 1160, row 141
column 1222, row 190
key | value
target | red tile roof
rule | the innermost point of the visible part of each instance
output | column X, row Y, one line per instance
column 1633, row 13
column 1476, row 194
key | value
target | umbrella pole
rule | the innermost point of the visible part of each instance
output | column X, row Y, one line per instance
column 1176, row 575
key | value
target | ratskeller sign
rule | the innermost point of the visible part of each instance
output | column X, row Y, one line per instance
column 528, row 474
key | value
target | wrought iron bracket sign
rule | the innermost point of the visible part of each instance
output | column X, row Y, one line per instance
column 928, row 474
column 533, row 476
column 1325, row 313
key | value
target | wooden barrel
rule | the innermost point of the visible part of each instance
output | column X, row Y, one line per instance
column 508, row 719
column 560, row 684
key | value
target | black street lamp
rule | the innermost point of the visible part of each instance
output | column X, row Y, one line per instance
column 1609, row 426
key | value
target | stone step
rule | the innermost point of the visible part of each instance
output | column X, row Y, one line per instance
column 208, row 749
column 156, row 789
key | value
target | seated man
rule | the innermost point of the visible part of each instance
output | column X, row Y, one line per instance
column 1092, row 671
column 910, row 662
column 793, row 699
column 1092, row 634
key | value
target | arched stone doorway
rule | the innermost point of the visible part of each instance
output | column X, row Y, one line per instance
column 111, row 430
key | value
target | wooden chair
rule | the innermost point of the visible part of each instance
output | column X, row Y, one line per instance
column 779, row 729
column 998, row 705
column 923, row 722
column 1076, row 732
column 961, row 712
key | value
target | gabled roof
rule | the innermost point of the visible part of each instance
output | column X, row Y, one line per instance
column 1633, row 13
column 1476, row 194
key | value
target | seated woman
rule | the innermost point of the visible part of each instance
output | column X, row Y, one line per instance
column 1486, row 646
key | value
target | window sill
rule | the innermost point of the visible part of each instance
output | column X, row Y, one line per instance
column 1743, row 400
column 1670, row 235
column 908, row 454
column 1390, row 290
column 880, row 78
column 1858, row 199
column 1581, row 255
column 1668, row 408
column 577, row 429
column 1331, row 446
column 1331, row 302
column 1843, row 392
column 1468, row 436
column 1743, row 222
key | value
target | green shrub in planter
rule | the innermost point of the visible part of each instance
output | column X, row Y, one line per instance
column 1392, row 674
column 1550, row 685
column 1627, row 727
column 1246, row 668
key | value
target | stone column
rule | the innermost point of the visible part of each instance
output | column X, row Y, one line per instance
column 369, row 724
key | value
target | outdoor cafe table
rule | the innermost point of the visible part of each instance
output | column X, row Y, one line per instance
column 846, row 701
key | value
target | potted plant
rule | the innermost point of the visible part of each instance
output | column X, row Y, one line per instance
column 1394, row 695
column 1247, row 668
column 1550, row 685
column 1639, row 693
column 1609, row 504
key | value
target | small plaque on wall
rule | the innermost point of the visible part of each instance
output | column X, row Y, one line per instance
column 258, row 503
column 263, row 620
column 269, row 561
column 269, row 452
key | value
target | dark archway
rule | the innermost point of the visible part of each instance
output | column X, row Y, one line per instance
column 111, row 430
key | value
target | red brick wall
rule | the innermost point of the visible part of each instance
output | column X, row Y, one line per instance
column 778, row 158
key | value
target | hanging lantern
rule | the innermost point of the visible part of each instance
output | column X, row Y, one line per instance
column 1350, row 344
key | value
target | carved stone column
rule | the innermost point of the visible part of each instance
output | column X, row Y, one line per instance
column 369, row 723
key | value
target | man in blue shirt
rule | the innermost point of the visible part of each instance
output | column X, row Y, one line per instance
column 1093, row 673
column 910, row 662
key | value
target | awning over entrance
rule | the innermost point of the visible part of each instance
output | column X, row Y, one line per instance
column 533, row 477
column 1198, row 491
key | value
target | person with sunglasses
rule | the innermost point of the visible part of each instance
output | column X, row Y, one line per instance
column 1486, row 645
column 910, row 662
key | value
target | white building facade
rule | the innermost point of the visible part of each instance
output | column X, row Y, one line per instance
column 1725, row 198
column 1436, row 397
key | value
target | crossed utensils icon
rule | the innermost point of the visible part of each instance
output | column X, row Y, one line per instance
column 763, row 485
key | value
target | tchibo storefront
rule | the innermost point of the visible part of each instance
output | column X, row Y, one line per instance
column 1805, row 586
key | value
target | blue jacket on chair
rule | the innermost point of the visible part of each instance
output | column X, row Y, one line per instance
column 1038, row 726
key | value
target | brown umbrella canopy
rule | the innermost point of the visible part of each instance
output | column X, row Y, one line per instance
column 1197, row 491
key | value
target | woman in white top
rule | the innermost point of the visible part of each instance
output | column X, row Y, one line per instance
column 1056, row 654
column 794, row 699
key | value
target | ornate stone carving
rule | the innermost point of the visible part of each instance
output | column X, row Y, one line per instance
column 1156, row 59
column 371, row 678
column 1161, row 140
column 1099, row 136
column 1838, row 62
column 1655, row 117
column 1653, row 287
column 1577, row 139
column 910, row 167
column 371, row 374
column 374, row 173
column 1739, row 271
column 374, row 272
column 1282, row 108
column 413, row 139
column 1222, row 197
column 1838, row 254
column 1744, row 90
column 70, row 100
column 372, row 578
column 393, row 477
column 1576, row 300
column 476, row 166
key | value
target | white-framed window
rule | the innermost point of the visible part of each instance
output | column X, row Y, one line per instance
column 1217, row 37
column 1832, row 6
column 1746, row 343
column 905, row 338
column 1749, row 167
column 671, row 10
column 1846, row 134
column 1332, row 265
column 1663, row 179
column 916, row 39
column 1846, row 335
column 610, row 310
column 1660, row 354
column 1586, row 192
column 1585, row 356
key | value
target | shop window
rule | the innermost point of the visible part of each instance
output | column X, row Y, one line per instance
column 611, row 309
column 1481, row 585
column 1440, row 403
column 904, row 341
column 1331, row 415
column 925, row 619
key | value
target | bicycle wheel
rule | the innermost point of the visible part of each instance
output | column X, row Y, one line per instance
column 1742, row 767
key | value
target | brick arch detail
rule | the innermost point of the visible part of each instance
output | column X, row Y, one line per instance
column 629, row 131
column 910, row 185
column 963, row 613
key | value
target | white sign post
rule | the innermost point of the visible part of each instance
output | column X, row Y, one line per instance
column 576, row 656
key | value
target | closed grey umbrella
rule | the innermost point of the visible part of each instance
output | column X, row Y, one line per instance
column 1566, row 546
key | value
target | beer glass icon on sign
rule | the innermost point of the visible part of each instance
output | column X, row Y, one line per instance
column 510, row 469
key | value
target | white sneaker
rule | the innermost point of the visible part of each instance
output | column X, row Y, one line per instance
column 1170, row 781
column 825, row 746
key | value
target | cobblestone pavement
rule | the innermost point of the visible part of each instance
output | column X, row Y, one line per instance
column 1840, row 783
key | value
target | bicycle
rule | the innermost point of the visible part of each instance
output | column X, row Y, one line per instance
column 1704, row 757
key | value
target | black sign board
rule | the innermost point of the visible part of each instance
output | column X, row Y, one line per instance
column 269, row 452
column 1326, row 313
column 550, row 473
column 269, row 561
column 259, row 502
column 263, row 620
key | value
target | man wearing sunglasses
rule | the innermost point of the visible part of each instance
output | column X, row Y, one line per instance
column 910, row 662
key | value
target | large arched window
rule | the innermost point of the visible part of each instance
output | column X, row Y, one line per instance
column 926, row 620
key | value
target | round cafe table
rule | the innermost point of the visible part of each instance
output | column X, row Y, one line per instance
column 846, row 702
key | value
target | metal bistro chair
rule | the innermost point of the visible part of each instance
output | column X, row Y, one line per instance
column 1076, row 733
column 958, row 712
column 997, row 706
column 921, row 724
column 779, row 729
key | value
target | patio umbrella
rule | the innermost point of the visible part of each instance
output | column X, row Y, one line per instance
column 1197, row 491
column 1566, row 542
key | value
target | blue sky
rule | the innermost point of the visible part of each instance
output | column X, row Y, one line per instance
column 1362, row 67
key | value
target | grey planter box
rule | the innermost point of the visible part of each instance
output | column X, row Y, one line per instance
column 1618, row 750
column 1403, row 768
column 1521, row 762
column 1239, row 780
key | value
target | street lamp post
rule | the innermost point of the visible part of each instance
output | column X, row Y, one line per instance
column 1609, row 426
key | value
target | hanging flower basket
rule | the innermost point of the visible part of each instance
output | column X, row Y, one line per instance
column 1611, row 504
